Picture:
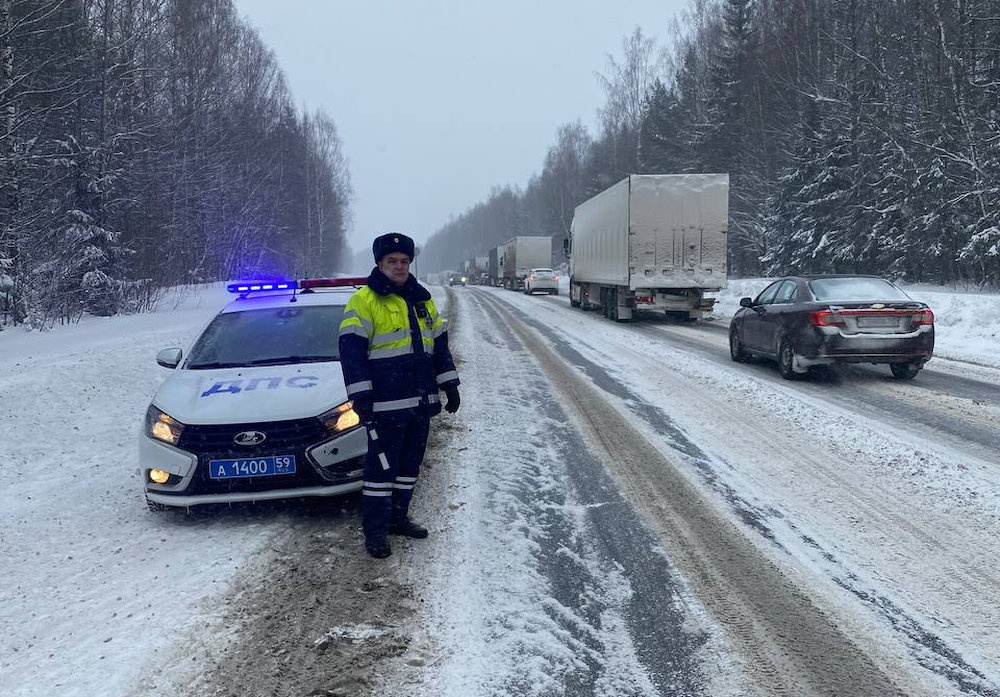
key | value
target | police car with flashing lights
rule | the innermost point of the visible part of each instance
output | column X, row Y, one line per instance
column 256, row 409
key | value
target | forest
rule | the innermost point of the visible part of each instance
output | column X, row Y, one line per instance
column 861, row 136
column 151, row 143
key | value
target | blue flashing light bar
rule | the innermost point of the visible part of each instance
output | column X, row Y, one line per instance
column 258, row 286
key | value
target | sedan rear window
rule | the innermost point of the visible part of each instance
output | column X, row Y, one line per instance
column 542, row 271
column 271, row 336
column 832, row 289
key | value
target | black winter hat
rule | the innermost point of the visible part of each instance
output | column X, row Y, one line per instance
column 392, row 242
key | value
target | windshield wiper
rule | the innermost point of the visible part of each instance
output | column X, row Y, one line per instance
column 292, row 359
column 215, row 364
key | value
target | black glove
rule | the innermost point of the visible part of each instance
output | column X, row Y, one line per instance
column 453, row 400
column 364, row 407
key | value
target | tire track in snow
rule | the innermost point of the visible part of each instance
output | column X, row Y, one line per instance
column 792, row 647
column 928, row 648
column 613, row 603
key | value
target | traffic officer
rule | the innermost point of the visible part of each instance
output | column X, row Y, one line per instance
column 394, row 352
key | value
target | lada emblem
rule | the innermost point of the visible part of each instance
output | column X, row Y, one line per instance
column 249, row 437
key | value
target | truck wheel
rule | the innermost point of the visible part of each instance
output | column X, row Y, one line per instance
column 905, row 371
column 736, row 350
column 554, row 292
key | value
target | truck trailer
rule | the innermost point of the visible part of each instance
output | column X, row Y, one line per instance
column 519, row 255
column 493, row 266
column 651, row 242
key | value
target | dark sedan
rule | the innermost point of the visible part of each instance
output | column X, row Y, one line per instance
column 803, row 321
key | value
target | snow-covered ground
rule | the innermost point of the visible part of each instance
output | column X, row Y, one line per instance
column 94, row 587
column 97, row 592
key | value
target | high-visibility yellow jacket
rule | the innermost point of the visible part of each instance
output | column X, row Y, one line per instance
column 394, row 347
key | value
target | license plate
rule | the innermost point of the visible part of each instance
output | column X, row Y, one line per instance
column 252, row 467
column 878, row 321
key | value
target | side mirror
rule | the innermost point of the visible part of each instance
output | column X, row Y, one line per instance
column 169, row 357
column 566, row 246
column 746, row 302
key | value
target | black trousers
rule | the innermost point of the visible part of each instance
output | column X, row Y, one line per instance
column 396, row 445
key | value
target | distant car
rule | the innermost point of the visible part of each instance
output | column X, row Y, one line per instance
column 257, row 409
column 457, row 280
column 541, row 281
column 803, row 321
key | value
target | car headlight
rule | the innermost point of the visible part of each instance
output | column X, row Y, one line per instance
column 340, row 419
column 162, row 426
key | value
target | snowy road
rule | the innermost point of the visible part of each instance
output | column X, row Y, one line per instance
column 617, row 509
column 879, row 497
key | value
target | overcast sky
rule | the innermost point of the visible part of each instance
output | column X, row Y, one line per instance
column 437, row 101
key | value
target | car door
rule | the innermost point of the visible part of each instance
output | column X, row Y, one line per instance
column 773, row 322
column 753, row 320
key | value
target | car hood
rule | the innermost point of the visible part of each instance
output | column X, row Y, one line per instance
column 247, row 395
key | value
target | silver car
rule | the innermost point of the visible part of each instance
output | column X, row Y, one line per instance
column 541, row 281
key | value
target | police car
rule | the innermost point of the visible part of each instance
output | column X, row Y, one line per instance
column 257, row 408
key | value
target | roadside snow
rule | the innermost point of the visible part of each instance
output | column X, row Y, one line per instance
column 95, row 587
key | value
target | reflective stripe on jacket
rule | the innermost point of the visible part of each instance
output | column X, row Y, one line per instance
column 394, row 351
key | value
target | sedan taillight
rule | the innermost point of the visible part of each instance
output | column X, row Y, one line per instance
column 924, row 318
column 826, row 318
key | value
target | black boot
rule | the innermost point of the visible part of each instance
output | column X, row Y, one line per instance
column 378, row 547
column 407, row 528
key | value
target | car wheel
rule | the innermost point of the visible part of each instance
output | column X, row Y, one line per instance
column 154, row 506
column 555, row 292
column 904, row 371
column 736, row 350
column 786, row 361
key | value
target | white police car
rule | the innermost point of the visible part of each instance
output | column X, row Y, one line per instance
column 257, row 408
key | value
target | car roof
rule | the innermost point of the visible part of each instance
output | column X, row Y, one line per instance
column 267, row 300
column 820, row 276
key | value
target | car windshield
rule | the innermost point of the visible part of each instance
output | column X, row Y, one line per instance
column 269, row 337
column 831, row 289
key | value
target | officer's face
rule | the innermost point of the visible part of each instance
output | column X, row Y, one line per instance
column 396, row 267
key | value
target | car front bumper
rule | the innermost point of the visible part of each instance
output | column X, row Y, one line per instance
column 183, row 500
column 323, row 468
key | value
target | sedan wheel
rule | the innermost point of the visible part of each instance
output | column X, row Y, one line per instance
column 904, row 371
column 736, row 350
column 786, row 361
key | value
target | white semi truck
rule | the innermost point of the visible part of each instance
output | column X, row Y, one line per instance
column 519, row 255
column 651, row 242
